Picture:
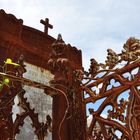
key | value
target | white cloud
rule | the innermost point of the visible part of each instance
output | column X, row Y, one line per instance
column 92, row 26
column 89, row 120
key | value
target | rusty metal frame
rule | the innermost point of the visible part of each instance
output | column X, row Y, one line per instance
column 124, row 115
column 7, row 95
column 70, row 82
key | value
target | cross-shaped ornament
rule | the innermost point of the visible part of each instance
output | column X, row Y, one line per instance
column 46, row 25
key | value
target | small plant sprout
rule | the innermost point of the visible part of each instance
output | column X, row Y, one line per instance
column 10, row 62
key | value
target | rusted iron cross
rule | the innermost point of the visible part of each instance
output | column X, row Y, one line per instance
column 46, row 25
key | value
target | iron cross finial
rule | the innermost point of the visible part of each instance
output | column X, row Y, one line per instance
column 46, row 25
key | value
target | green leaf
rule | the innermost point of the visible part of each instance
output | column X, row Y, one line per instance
column 9, row 62
column 6, row 81
column 1, row 86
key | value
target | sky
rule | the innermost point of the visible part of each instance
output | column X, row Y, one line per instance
column 90, row 25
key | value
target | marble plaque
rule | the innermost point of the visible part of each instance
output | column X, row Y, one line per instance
column 37, row 99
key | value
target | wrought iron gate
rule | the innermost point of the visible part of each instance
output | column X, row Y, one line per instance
column 112, row 94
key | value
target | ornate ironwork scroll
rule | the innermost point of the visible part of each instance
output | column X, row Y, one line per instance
column 114, row 85
column 11, row 86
